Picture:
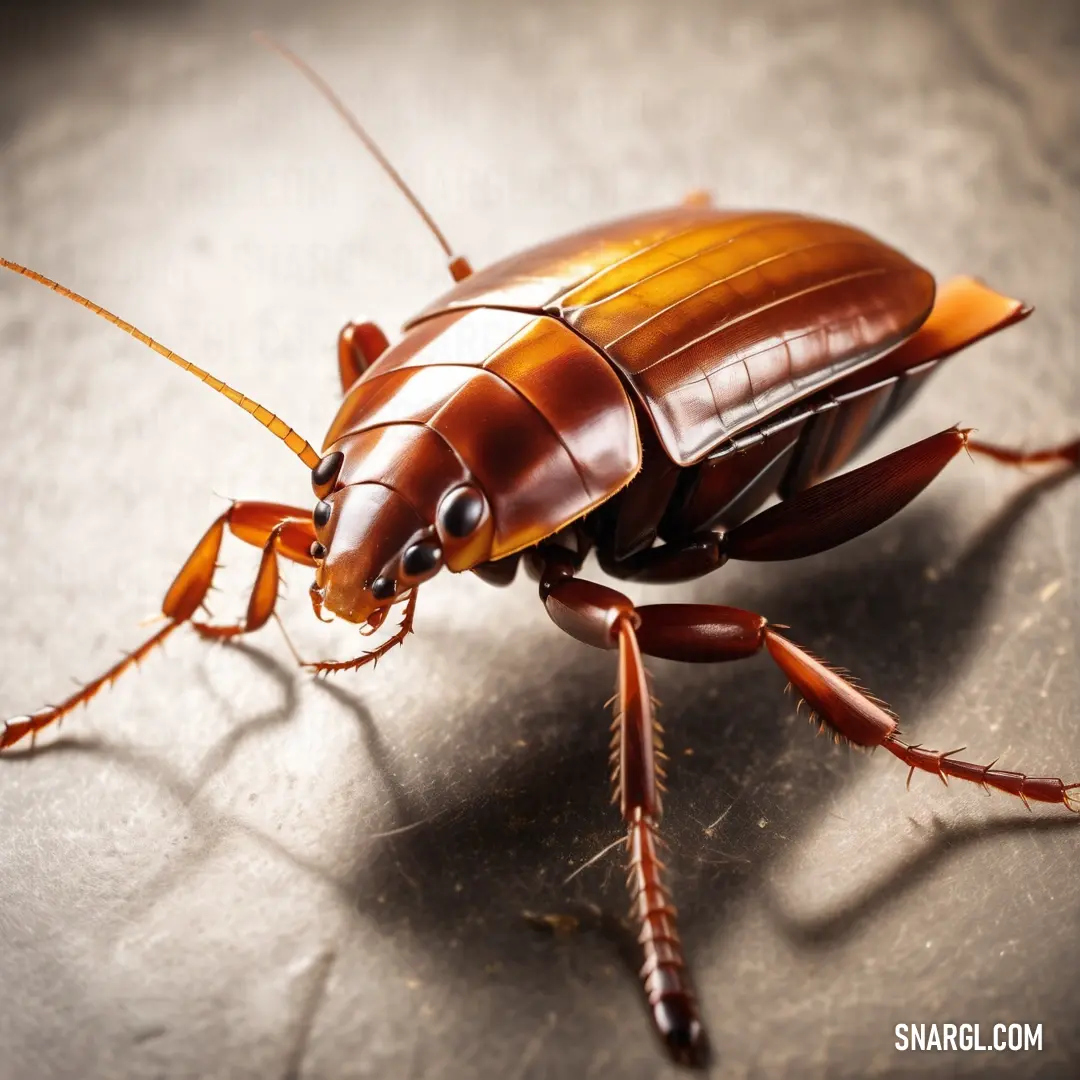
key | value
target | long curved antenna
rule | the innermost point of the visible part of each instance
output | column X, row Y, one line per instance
column 275, row 425
column 459, row 267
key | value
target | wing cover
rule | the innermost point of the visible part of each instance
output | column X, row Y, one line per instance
column 717, row 319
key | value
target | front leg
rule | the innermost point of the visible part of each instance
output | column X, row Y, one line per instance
column 284, row 530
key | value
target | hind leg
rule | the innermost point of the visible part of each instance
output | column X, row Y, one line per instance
column 1063, row 454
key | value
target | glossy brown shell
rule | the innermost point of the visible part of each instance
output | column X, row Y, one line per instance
column 513, row 402
column 717, row 319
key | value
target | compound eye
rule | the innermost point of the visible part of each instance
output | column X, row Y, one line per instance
column 383, row 588
column 322, row 513
column 461, row 512
column 324, row 475
column 421, row 559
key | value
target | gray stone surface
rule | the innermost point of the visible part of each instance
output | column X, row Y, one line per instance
column 221, row 869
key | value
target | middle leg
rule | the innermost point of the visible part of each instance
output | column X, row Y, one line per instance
column 706, row 633
column 607, row 619
column 697, row 633
column 701, row 633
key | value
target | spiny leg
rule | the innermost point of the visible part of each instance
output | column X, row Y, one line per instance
column 819, row 518
column 700, row 633
column 264, row 593
column 607, row 619
column 285, row 529
column 857, row 717
column 706, row 633
column 277, row 529
column 20, row 726
column 639, row 781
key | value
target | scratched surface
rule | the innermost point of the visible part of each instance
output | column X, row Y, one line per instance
column 223, row 870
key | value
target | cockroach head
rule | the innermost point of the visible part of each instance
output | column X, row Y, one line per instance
column 373, row 547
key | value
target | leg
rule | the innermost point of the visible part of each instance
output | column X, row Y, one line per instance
column 837, row 510
column 818, row 518
column 1065, row 454
column 359, row 346
column 685, row 560
column 701, row 633
column 277, row 529
column 607, row 619
column 639, row 781
column 696, row 633
column 827, row 514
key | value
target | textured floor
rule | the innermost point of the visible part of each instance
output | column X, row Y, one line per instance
column 223, row 870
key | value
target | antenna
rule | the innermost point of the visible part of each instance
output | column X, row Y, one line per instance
column 459, row 266
column 275, row 425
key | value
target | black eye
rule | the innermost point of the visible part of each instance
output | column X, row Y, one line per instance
column 322, row 513
column 318, row 552
column 461, row 511
column 421, row 558
column 382, row 588
column 326, row 472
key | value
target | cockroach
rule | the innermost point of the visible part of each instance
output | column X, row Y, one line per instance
column 636, row 391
